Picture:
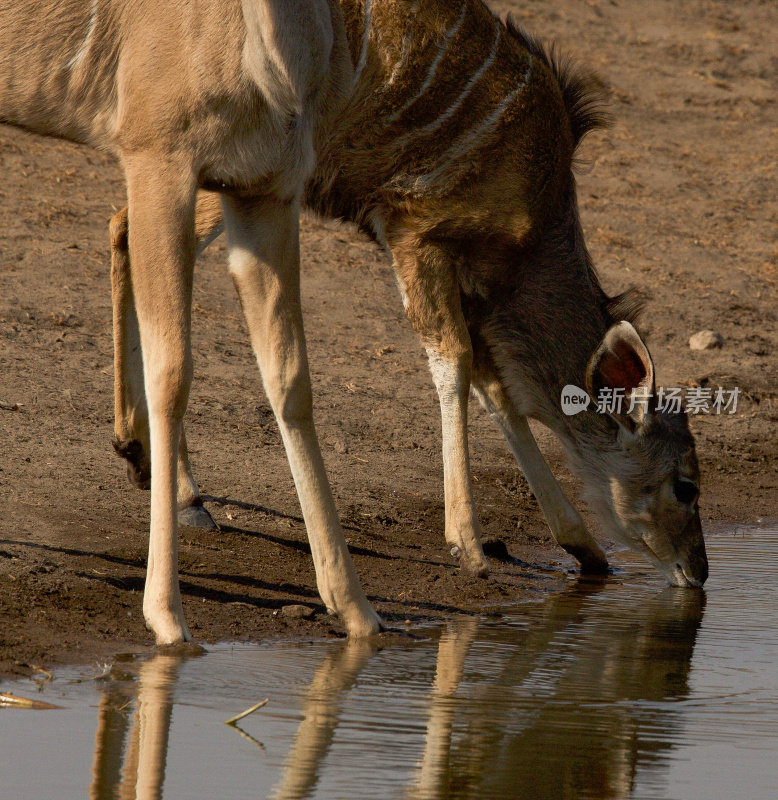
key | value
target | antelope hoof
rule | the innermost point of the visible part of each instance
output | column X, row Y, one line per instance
column 167, row 626
column 356, row 614
column 197, row 516
column 362, row 622
column 593, row 562
column 475, row 565
column 138, row 466
column 168, row 632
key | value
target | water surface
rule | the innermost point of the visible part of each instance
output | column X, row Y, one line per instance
column 616, row 689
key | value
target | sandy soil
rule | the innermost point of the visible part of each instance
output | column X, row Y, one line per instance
column 678, row 198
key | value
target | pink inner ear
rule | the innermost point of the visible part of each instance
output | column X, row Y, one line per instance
column 622, row 368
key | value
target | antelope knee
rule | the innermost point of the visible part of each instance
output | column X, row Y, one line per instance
column 167, row 387
column 451, row 370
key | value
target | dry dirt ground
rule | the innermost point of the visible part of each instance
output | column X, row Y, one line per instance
column 678, row 198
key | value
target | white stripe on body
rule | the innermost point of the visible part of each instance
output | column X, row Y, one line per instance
column 404, row 53
column 365, row 40
column 470, row 139
column 406, row 47
column 87, row 43
column 477, row 75
column 431, row 127
column 433, row 68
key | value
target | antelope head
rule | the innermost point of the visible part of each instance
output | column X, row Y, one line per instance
column 645, row 493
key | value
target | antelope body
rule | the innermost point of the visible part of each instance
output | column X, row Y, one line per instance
column 446, row 136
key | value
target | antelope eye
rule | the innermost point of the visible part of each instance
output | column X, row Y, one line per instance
column 685, row 491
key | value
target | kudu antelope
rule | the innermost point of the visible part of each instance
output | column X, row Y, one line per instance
column 455, row 154
column 453, row 150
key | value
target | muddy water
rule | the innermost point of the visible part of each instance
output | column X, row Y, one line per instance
column 618, row 689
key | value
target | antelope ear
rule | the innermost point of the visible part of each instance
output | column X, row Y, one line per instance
column 621, row 365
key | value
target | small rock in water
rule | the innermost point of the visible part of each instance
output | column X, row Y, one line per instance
column 297, row 612
column 706, row 340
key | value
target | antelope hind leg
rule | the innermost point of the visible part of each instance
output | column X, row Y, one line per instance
column 191, row 510
column 265, row 265
column 131, row 423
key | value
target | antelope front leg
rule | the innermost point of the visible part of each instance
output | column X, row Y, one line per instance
column 264, row 262
column 451, row 374
column 161, row 245
column 131, row 423
column 430, row 292
column 566, row 524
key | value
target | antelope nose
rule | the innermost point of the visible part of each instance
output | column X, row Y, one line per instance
column 698, row 565
column 696, row 568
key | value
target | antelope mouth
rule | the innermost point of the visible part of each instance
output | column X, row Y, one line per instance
column 679, row 572
column 680, row 576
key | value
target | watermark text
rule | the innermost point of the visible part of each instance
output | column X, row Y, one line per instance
column 670, row 400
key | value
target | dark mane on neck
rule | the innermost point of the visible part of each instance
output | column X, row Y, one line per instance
column 582, row 91
column 569, row 238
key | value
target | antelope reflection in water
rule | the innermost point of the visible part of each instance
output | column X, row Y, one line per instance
column 336, row 675
column 136, row 771
column 566, row 706
column 559, row 716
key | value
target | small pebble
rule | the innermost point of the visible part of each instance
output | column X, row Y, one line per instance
column 297, row 612
column 706, row 340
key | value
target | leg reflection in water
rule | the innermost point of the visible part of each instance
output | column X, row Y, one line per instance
column 573, row 697
column 321, row 706
column 453, row 648
column 131, row 748
column 143, row 774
